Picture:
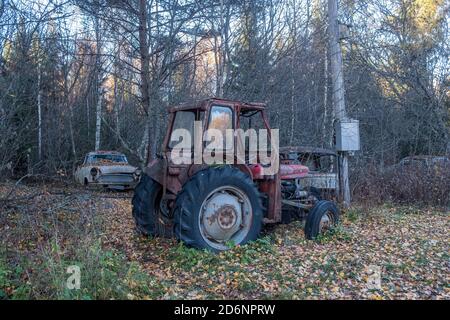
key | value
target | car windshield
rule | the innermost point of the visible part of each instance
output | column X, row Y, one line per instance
column 106, row 158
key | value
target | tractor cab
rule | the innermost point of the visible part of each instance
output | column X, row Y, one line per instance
column 214, row 114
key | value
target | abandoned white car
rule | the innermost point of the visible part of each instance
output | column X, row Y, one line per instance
column 109, row 169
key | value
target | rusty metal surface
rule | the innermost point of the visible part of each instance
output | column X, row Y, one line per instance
column 203, row 104
column 293, row 171
column 116, row 178
column 272, row 189
column 108, row 172
column 320, row 180
column 297, row 204
column 317, row 178
column 225, row 214
column 156, row 171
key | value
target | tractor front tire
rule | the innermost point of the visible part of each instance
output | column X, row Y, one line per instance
column 323, row 217
column 217, row 208
column 146, row 212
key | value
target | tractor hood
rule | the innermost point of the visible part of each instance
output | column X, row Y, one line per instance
column 293, row 171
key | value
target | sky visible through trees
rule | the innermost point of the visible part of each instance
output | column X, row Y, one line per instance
column 76, row 75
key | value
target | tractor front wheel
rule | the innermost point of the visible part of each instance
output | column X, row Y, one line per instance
column 217, row 208
column 323, row 217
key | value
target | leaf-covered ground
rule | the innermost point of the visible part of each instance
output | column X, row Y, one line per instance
column 409, row 246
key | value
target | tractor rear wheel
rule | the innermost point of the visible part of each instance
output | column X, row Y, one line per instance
column 146, row 208
column 217, row 208
column 323, row 217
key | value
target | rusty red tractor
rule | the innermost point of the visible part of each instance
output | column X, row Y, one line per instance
column 214, row 207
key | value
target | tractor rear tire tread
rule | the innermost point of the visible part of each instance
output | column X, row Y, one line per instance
column 145, row 208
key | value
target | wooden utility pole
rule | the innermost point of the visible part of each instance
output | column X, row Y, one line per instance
column 338, row 94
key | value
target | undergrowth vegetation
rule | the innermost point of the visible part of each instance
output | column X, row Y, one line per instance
column 49, row 232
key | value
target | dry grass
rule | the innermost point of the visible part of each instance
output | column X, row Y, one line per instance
column 414, row 185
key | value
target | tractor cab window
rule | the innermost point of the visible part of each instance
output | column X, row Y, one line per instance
column 183, row 120
column 251, row 119
column 221, row 118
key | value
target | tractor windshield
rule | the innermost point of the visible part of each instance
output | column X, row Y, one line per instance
column 322, row 163
column 221, row 119
column 253, row 120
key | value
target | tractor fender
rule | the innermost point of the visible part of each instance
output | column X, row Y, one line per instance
column 156, row 169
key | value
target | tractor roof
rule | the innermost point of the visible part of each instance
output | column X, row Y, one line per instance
column 202, row 105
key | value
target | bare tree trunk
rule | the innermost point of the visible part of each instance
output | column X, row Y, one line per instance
column 88, row 115
column 99, row 80
column 72, row 138
column 145, row 73
column 325, row 131
column 98, row 124
column 117, row 105
column 39, row 105
column 293, row 57
column 142, row 150
column 218, row 65
column 291, row 135
column 219, row 53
